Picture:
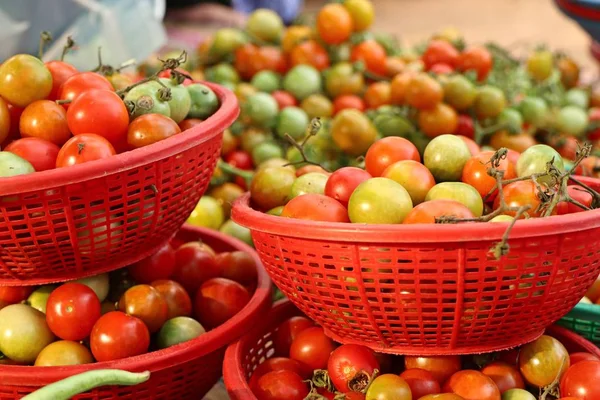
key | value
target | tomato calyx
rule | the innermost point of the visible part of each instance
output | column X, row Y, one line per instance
column 321, row 379
column 361, row 381
column 553, row 388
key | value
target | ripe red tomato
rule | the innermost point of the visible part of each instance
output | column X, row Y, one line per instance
column 348, row 101
column 80, row 83
column 504, row 375
column 465, row 127
column 315, row 207
column 279, row 364
column 475, row 172
column 441, row 69
column 476, row 59
column 519, row 194
column 46, row 120
column 40, row 153
column 178, row 300
column 194, row 265
column 284, row 99
column 287, row 333
column 101, row 112
column 582, row 356
column 387, row 151
column 510, row 357
column 348, row 362
column 581, row 381
column 440, row 52
column 334, row 24
column 189, row 123
column 159, row 265
column 441, row 367
column 421, row 382
column 372, row 54
column 72, row 310
column 218, row 300
column 60, row 71
column 280, row 385
column 472, row 385
column 474, row 148
column 312, row 53
column 240, row 159
column 594, row 116
column 577, row 194
column 342, row 183
column 15, row 294
column 117, row 335
column 238, row 266
column 312, row 347
column 148, row 129
column 147, row 304
column 84, row 148
column 251, row 59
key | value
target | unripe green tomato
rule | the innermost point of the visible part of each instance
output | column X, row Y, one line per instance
column 266, row 81
column 293, row 121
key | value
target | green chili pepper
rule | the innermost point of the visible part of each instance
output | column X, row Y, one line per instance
column 81, row 383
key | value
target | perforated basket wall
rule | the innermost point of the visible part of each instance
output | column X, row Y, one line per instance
column 429, row 289
column 584, row 319
column 83, row 220
column 185, row 371
column 244, row 356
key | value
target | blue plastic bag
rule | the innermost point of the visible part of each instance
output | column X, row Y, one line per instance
column 287, row 9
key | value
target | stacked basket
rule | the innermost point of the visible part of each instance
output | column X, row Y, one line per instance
column 76, row 222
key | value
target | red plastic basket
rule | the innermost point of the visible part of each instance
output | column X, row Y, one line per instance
column 185, row 371
column 429, row 289
column 243, row 356
column 74, row 222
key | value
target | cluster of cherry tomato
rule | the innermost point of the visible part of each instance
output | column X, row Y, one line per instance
column 54, row 116
column 169, row 298
column 303, row 353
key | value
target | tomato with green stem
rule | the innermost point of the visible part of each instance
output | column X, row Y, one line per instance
column 147, row 304
column 117, row 335
column 72, row 310
column 334, row 24
column 44, row 119
column 84, row 148
column 24, row 79
column 542, row 360
column 372, row 54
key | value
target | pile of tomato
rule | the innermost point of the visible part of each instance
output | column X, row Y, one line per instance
column 365, row 87
column 171, row 297
column 54, row 116
column 306, row 361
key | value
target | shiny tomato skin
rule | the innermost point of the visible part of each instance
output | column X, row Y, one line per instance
column 159, row 265
column 372, row 54
column 577, row 194
column 72, row 310
column 60, row 71
column 40, row 153
column 101, row 112
column 440, row 52
column 194, row 265
column 581, row 381
column 178, row 301
column 312, row 347
column 582, row 356
column 475, row 172
column 348, row 101
column 15, row 294
column 280, row 385
column 84, row 148
column 441, row 367
column 423, row 92
column 238, row 266
column 346, row 362
column 476, row 59
column 148, row 129
column 542, row 360
column 80, row 83
column 504, row 375
column 388, row 151
column 388, row 386
column 427, row 212
column 189, row 123
column 147, row 304
column 46, row 120
column 240, row 159
column 279, row 364
column 284, row 99
column 465, row 126
column 315, row 207
column 218, row 300
column 342, row 183
column 334, row 24
column 421, row 382
column 117, row 335
column 519, row 194
column 287, row 333
column 472, row 385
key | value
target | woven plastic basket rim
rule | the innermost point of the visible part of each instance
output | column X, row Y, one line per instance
column 161, row 359
column 245, row 215
column 211, row 127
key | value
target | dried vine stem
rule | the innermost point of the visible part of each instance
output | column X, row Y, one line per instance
column 45, row 38
column 313, row 129
column 67, row 47
column 552, row 388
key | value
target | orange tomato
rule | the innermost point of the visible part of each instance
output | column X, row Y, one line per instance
column 372, row 54
column 378, row 94
column 440, row 120
column 424, row 92
column 312, row 53
column 334, row 24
